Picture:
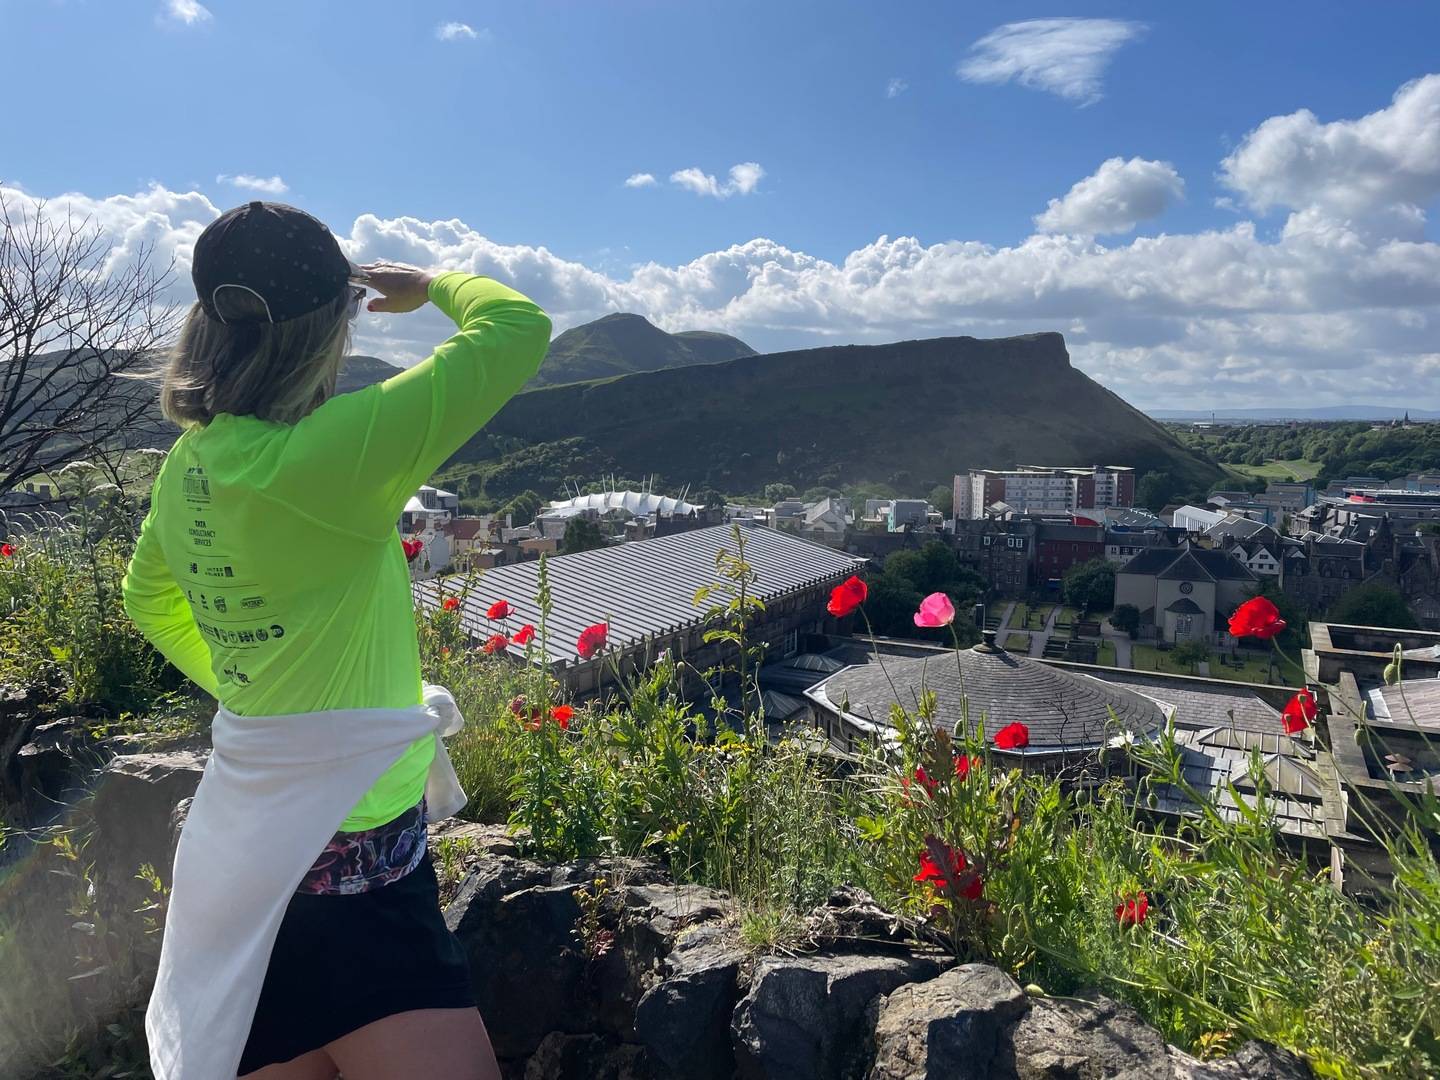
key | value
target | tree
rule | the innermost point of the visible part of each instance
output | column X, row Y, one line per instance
column 891, row 604
column 1373, row 605
column 1126, row 617
column 1192, row 653
column 912, row 574
column 523, row 507
column 1154, row 490
column 943, row 499
column 1090, row 586
column 777, row 492
column 581, row 535
column 76, row 341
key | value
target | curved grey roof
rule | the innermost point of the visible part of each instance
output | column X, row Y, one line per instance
column 1063, row 710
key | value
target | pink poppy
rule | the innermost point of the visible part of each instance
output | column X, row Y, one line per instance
column 935, row 610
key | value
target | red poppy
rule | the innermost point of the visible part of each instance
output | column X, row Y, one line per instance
column 7, row 550
column 450, row 603
column 561, row 714
column 1014, row 736
column 592, row 640
column 444, row 650
column 1133, row 909
column 1298, row 713
column 1257, row 618
column 524, row 635
column 517, row 705
column 953, row 874
column 846, row 597
column 964, row 763
column 930, row 869
column 923, row 779
column 412, row 548
column 495, row 643
column 501, row 609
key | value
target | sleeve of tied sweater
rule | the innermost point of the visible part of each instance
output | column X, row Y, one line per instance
column 363, row 455
column 156, row 605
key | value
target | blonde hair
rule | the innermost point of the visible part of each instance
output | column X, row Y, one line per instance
column 276, row 371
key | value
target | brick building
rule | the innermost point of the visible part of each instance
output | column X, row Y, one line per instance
column 1044, row 489
column 1064, row 546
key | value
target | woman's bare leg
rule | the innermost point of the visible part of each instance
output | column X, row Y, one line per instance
column 315, row 1065
column 438, row 1044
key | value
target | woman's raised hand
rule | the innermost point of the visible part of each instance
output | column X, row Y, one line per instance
column 402, row 288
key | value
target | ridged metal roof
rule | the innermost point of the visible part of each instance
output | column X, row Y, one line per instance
column 642, row 589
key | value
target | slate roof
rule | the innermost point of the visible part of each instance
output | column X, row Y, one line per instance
column 643, row 589
column 1214, row 758
column 1238, row 528
column 1063, row 710
column 1201, row 703
column 1188, row 564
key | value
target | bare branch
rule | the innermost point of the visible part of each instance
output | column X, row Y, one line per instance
column 72, row 328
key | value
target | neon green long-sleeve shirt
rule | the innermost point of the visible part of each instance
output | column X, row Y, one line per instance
column 269, row 569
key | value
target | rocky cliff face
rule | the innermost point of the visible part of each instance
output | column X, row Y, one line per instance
column 607, row 970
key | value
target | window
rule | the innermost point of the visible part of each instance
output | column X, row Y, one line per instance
column 791, row 643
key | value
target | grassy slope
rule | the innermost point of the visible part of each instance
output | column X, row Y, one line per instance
column 910, row 413
column 1280, row 470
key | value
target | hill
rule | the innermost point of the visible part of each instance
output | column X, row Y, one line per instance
column 622, row 344
column 360, row 371
column 908, row 415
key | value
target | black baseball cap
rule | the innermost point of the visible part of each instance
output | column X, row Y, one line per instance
column 283, row 256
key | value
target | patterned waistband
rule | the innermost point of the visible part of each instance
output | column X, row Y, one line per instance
column 356, row 862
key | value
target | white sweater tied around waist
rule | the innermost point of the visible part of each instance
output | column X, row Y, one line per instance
column 272, row 795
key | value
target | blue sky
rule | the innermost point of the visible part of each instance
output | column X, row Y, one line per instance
column 1302, row 268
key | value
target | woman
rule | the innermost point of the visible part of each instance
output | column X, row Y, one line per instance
column 270, row 572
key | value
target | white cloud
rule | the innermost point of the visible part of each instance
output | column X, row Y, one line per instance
column 1381, row 168
column 895, row 87
column 641, row 179
column 458, row 31
column 744, row 178
column 1327, row 310
column 189, row 12
column 1067, row 56
column 266, row 185
column 1115, row 198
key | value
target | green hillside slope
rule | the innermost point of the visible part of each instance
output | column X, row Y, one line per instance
column 909, row 414
column 621, row 344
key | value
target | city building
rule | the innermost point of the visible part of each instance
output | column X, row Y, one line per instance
column 624, row 514
column 1195, row 519
column 430, row 507
column 1080, row 718
column 1185, row 594
column 1064, row 546
column 908, row 514
column 1042, row 489
column 1003, row 552
column 645, row 591
column 1380, row 737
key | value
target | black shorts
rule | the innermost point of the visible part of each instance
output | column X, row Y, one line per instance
column 341, row 962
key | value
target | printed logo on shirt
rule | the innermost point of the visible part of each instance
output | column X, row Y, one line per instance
column 252, row 601
column 196, row 485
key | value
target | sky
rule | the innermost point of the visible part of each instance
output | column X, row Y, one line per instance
column 1218, row 205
